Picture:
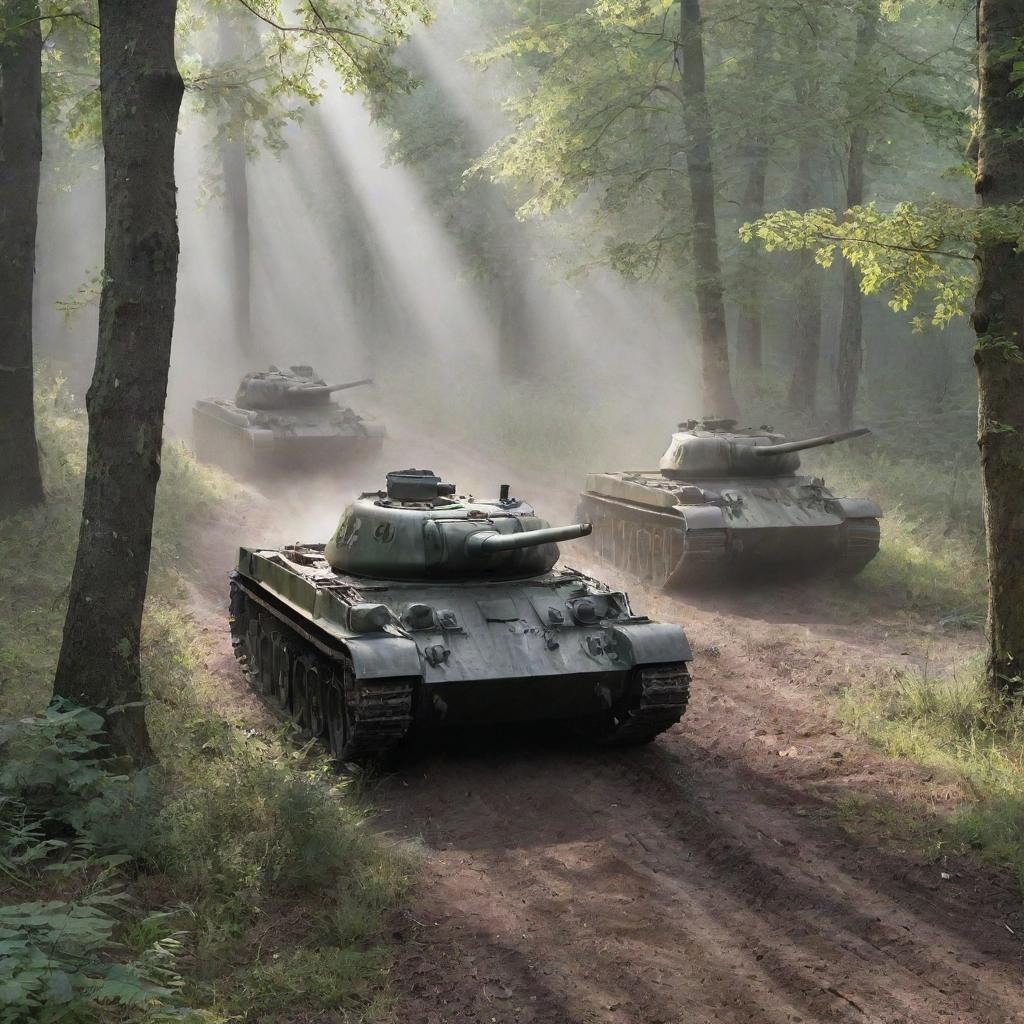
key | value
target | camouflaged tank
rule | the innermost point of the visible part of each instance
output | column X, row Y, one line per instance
column 283, row 420
column 425, row 609
column 727, row 502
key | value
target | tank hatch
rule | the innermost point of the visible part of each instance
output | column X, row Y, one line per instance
column 419, row 528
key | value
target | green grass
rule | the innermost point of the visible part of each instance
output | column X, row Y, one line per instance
column 966, row 734
column 250, row 863
column 932, row 556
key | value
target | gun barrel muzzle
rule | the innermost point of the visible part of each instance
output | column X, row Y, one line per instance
column 486, row 542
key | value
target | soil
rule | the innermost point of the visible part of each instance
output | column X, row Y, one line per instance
column 710, row 876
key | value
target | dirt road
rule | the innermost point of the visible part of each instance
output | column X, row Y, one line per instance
column 709, row 876
column 705, row 877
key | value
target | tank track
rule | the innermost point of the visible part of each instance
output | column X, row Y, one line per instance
column 862, row 541
column 308, row 681
column 657, row 702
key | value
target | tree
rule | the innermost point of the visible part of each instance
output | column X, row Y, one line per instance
column 717, row 386
column 619, row 113
column 850, row 354
column 931, row 249
column 21, row 148
column 998, row 320
column 140, row 93
column 234, row 144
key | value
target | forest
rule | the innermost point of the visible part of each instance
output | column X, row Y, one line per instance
column 684, row 682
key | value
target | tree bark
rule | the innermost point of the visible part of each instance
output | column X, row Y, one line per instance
column 803, row 384
column 749, row 327
column 718, row 397
column 234, row 169
column 999, row 357
column 140, row 93
column 851, row 348
column 749, row 324
column 21, row 151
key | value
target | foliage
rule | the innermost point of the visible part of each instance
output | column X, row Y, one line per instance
column 916, row 248
column 66, row 821
column 238, row 877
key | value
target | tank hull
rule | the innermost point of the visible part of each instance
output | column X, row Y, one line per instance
column 253, row 445
column 669, row 533
column 479, row 652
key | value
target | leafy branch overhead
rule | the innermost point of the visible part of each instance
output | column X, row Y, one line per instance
column 281, row 53
column 914, row 250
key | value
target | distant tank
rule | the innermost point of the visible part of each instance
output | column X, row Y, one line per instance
column 283, row 420
column 425, row 610
column 728, row 502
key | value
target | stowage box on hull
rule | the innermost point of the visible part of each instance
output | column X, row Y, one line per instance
column 361, row 659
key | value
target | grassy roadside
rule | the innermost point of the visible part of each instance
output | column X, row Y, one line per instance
column 932, row 551
column 970, row 739
column 932, row 561
column 236, row 881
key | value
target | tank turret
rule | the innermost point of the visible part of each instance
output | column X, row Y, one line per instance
column 418, row 528
column 714, row 448
column 297, row 387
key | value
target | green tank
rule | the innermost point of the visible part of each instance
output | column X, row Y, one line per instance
column 425, row 609
column 727, row 502
column 280, row 421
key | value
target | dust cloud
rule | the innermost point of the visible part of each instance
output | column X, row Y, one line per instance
column 355, row 270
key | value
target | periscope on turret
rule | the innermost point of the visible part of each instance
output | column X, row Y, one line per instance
column 426, row 609
column 284, row 420
column 725, row 503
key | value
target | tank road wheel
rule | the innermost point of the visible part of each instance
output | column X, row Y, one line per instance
column 281, row 690
column 335, row 719
column 656, row 700
column 860, row 544
column 263, row 678
column 307, row 697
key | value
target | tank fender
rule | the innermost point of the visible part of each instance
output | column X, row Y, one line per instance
column 382, row 656
column 858, row 508
column 703, row 517
column 650, row 643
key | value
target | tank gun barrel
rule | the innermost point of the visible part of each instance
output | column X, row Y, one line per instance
column 486, row 542
column 327, row 389
column 809, row 442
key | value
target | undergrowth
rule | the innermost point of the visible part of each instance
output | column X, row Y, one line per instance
column 237, row 880
column 960, row 728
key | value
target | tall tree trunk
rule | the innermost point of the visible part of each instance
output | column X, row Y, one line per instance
column 21, row 151
column 718, row 397
column 851, row 349
column 803, row 384
column 999, row 357
column 750, row 324
column 234, row 169
column 749, row 327
column 140, row 92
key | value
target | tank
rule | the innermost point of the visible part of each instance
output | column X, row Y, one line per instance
column 426, row 610
column 281, row 421
column 726, row 502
